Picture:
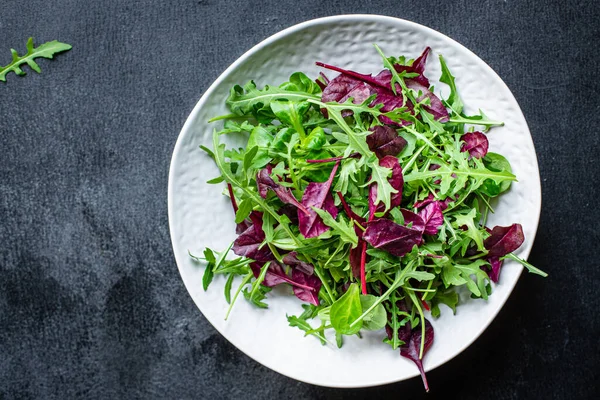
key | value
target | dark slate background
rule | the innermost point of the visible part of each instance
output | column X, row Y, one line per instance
column 91, row 303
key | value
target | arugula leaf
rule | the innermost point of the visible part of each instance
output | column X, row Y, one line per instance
column 449, row 298
column 340, row 228
column 346, row 310
column 306, row 327
column 46, row 50
column 473, row 232
column 247, row 99
column 480, row 119
column 453, row 101
column 376, row 319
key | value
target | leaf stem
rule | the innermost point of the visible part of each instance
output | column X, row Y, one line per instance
column 237, row 293
column 524, row 263
column 417, row 304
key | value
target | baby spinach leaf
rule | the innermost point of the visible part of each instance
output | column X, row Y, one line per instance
column 346, row 310
column 377, row 318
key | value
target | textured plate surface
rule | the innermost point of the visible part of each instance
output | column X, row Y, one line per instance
column 199, row 216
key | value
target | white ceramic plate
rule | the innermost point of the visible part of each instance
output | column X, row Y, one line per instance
column 199, row 216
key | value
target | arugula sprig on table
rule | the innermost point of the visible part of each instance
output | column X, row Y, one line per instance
column 368, row 196
column 45, row 50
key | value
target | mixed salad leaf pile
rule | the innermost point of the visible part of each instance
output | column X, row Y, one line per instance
column 368, row 196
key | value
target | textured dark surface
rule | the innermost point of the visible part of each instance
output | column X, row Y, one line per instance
column 91, row 303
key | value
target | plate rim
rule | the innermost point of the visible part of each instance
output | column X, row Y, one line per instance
column 264, row 43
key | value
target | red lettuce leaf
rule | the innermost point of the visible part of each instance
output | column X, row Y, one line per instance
column 412, row 347
column 504, row 240
column 433, row 217
column 476, row 144
column 393, row 238
column 317, row 194
column 248, row 242
column 264, row 182
column 306, row 287
column 384, row 141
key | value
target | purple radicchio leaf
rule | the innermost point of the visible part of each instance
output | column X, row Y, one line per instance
column 396, row 180
column 384, row 141
column 411, row 348
column 355, row 258
column 504, row 240
column 248, row 243
column 317, row 194
column 265, row 182
column 310, row 286
column 394, row 238
column 476, row 144
column 380, row 85
column 404, row 331
column 433, row 217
